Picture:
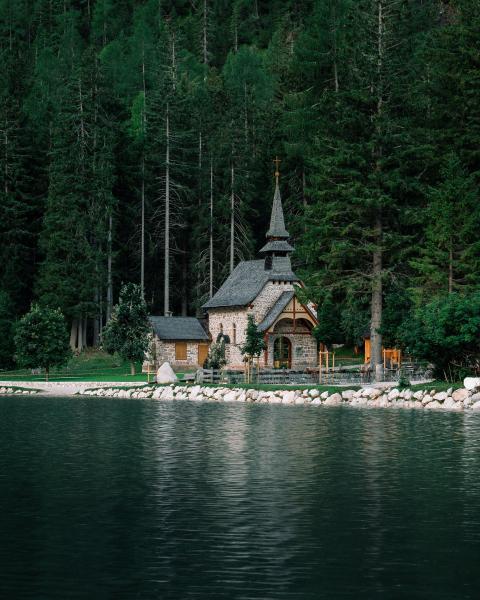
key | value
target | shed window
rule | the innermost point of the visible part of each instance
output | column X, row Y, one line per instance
column 180, row 350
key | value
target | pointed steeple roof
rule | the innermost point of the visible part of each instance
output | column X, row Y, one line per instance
column 277, row 221
column 277, row 234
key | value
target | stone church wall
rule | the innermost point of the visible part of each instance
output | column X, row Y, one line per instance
column 304, row 350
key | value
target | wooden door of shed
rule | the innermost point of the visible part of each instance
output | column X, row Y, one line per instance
column 202, row 353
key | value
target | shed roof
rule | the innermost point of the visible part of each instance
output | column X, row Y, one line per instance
column 179, row 328
column 248, row 279
column 276, row 310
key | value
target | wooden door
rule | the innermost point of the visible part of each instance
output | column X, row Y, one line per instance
column 202, row 353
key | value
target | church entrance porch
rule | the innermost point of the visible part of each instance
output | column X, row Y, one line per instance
column 282, row 353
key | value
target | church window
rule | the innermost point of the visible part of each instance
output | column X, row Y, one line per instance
column 180, row 350
column 234, row 333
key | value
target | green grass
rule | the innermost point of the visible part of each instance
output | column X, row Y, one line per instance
column 91, row 365
column 439, row 386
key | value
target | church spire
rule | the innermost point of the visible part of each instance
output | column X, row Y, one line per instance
column 277, row 234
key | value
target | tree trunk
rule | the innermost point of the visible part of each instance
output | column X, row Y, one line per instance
column 85, row 329
column 232, row 220
column 166, row 289
column 210, row 277
column 73, row 335
column 80, row 335
column 47, row 373
column 376, row 361
column 109, row 271
column 450, row 268
column 142, row 242
column 132, row 368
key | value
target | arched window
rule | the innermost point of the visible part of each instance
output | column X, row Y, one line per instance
column 234, row 333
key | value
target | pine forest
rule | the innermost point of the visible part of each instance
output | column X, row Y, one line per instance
column 137, row 140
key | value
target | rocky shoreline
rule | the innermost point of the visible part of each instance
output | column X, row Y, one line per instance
column 452, row 400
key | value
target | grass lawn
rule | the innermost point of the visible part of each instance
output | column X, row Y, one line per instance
column 91, row 365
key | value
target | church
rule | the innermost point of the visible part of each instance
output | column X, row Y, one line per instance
column 264, row 288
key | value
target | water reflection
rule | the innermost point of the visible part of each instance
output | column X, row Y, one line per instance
column 143, row 499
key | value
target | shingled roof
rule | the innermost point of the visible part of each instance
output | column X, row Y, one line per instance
column 248, row 279
column 276, row 310
column 277, row 222
column 179, row 328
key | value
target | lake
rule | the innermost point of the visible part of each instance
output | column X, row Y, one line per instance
column 113, row 499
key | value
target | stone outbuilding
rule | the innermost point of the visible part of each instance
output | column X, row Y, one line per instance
column 181, row 341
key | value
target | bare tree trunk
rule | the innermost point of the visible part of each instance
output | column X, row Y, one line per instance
column 232, row 219
column 73, row 335
column 109, row 271
column 166, row 290
column 80, row 335
column 210, row 277
column 450, row 268
column 132, row 368
column 376, row 361
column 96, row 319
column 142, row 243
column 85, row 328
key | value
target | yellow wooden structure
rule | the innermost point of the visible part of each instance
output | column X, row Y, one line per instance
column 392, row 357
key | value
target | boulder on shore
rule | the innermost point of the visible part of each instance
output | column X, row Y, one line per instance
column 166, row 374
column 471, row 383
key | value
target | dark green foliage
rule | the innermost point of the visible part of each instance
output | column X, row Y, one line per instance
column 446, row 332
column 41, row 339
column 216, row 356
column 127, row 332
column 328, row 331
column 254, row 342
column 377, row 128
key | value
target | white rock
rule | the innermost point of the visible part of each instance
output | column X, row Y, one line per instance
column 230, row 396
column 393, row 394
column 300, row 400
column 450, row 404
column 347, row 394
column 449, row 391
column 475, row 397
column 418, row 395
column 433, row 405
column 324, row 395
column 460, row 394
column 316, row 402
column 471, row 383
column 314, row 393
column 166, row 374
column 476, row 406
column 440, row 396
column 333, row 400
column 427, row 399
column 408, row 394
column 289, row 397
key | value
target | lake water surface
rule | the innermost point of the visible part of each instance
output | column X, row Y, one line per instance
column 132, row 499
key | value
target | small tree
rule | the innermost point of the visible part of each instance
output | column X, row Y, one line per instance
column 127, row 332
column 216, row 356
column 254, row 343
column 41, row 339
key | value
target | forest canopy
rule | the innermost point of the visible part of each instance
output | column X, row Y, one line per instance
column 137, row 139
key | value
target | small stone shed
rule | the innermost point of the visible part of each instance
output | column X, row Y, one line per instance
column 182, row 341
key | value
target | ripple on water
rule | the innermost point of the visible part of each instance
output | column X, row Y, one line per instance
column 144, row 499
